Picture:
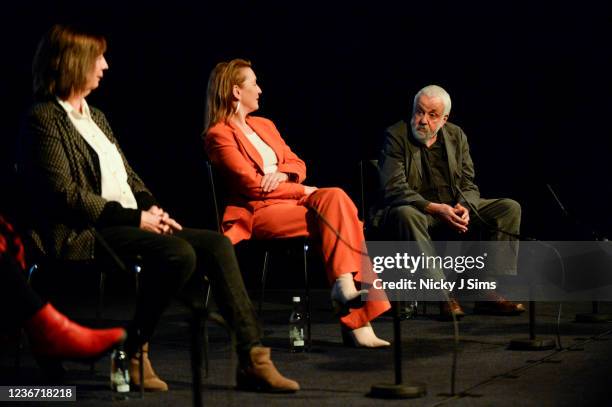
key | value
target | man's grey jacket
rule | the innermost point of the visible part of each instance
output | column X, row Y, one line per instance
column 400, row 169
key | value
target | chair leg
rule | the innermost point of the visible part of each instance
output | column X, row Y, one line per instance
column 308, row 308
column 141, row 369
column 137, row 281
column 20, row 340
column 196, row 357
column 264, row 274
column 99, row 310
column 101, row 288
column 137, row 269
column 205, row 346
column 205, row 332
column 207, row 297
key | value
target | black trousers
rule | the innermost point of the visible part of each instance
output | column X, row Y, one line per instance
column 18, row 302
column 175, row 265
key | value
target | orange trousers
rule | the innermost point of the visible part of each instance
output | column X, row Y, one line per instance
column 292, row 218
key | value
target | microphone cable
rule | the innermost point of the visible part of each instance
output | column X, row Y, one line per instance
column 334, row 230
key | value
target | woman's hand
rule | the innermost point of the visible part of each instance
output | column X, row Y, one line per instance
column 151, row 222
column 270, row 182
column 156, row 220
column 309, row 190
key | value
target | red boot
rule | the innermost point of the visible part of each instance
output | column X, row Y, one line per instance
column 53, row 335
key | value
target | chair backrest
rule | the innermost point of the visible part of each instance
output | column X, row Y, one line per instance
column 218, row 215
column 369, row 183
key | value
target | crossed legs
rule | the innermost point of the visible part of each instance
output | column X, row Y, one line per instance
column 329, row 216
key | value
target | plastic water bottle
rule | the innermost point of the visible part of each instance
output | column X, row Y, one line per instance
column 119, row 375
column 296, row 327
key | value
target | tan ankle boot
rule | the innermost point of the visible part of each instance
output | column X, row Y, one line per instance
column 151, row 381
column 260, row 374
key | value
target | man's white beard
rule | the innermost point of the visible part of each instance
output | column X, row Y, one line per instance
column 425, row 134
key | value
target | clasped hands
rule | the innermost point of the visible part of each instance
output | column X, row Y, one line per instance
column 270, row 182
column 156, row 220
column 457, row 217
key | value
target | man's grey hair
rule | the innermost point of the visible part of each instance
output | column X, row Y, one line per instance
column 437, row 92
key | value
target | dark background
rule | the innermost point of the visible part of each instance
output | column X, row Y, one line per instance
column 529, row 82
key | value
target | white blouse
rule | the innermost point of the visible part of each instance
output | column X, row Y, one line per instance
column 265, row 151
column 114, row 175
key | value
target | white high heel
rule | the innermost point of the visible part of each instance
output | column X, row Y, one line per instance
column 363, row 337
column 344, row 294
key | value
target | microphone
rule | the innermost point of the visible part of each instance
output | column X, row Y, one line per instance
column 594, row 232
column 563, row 210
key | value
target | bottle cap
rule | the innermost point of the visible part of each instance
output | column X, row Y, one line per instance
column 296, row 299
column 123, row 388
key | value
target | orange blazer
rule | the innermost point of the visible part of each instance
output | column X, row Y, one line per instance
column 241, row 168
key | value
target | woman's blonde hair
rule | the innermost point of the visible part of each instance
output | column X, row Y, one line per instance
column 63, row 59
column 219, row 94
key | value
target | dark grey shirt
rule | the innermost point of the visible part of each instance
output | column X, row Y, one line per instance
column 436, row 185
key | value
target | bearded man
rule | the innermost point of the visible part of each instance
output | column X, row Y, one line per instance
column 427, row 181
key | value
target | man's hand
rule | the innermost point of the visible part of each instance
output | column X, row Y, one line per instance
column 270, row 182
column 463, row 213
column 309, row 190
column 156, row 220
column 449, row 215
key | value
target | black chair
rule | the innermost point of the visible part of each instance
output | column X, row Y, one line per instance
column 370, row 194
column 369, row 191
column 268, row 246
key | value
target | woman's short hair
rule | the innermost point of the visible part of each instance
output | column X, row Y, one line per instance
column 219, row 95
column 63, row 59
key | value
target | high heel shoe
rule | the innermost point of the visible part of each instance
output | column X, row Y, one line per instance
column 363, row 337
column 344, row 294
column 53, row 336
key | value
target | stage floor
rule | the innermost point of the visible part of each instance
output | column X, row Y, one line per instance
column 330, row 374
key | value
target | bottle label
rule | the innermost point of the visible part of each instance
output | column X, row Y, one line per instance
column 120, row 378
column 296, row 335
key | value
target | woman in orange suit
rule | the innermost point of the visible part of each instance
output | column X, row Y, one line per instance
column 268, row 200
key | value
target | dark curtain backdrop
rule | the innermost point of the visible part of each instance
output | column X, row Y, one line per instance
column 530, row 86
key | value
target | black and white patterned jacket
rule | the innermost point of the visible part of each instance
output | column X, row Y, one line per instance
column 60, row 175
